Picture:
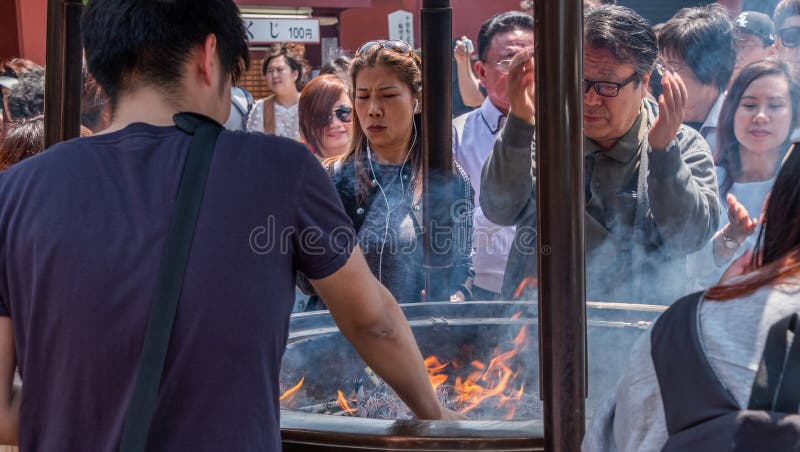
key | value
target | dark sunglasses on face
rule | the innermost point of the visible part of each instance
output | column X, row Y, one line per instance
column 790, row 36
column 343, row 113
column 394, row 45
column 606, row 89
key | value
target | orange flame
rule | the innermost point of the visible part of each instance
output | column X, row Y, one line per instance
column 435, row 367
column 493, row 381
column 288, row 396
column 342, row 402
column 527, row 281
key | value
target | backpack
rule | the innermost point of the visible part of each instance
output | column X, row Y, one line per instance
column 241, row 104
column 701, row 414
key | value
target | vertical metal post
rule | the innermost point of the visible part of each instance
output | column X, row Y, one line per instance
column 437, row 143
column 63, row 75
column 560, row 222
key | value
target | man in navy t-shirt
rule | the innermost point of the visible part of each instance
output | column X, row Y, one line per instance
column 82, row 231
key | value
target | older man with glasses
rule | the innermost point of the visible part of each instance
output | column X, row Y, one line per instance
column 650, row 185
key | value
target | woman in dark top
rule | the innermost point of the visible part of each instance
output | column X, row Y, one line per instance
column 380, row 178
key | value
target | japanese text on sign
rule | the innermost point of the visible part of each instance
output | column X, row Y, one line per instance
column 282, row 30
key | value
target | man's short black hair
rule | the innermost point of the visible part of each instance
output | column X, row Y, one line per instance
column 26, row 98
column 703, row 37
column 134, row 41
column 624, row 33
column 501, row 23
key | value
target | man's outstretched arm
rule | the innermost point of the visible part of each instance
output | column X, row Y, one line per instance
column 370, row 318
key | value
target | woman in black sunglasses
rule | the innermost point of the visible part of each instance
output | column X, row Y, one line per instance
column 326, row 116
column 379, row 179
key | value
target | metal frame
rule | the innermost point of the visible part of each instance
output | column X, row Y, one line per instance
column 560, row 196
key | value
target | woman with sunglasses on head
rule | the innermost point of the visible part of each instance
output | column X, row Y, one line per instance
column 285, row 70
column 326, row 116
column 379, row 179
column 754, row 129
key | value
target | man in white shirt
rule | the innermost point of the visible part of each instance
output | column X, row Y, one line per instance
column 499, row 39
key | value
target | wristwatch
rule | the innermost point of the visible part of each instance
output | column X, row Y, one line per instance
column 730, row 242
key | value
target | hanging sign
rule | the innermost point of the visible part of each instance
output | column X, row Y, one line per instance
column 401, row 26
column 282, row 30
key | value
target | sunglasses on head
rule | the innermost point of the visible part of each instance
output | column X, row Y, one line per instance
column 790, row 36
column 343, row 113
column 394, row 45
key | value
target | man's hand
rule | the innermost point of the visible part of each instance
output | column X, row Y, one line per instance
column 460, row 51
column 450, row 415
column 671, row 107
column 521, row 86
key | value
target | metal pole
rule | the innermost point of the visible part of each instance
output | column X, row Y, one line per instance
column 437, row 143
column 560, row 222
column 63, row 75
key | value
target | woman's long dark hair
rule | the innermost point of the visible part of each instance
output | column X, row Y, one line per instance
column 408, row 69
column 727, row 151
column 777, row 253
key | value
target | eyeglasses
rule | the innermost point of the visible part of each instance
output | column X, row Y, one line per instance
column 502, row 66
column 790, row 36
column 664, row 67
column 394, row 45
column 343, row 113
column 606, row 89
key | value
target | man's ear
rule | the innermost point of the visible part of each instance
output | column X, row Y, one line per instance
column 208, row 61
column 480, row 71
column 645, row 84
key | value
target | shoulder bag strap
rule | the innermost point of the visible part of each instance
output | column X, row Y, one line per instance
column 170, row 279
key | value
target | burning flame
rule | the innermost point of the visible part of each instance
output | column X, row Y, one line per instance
column 288, row 396
column 342, row 402
column 435, row 367
column 493, row 381
column 527, row 281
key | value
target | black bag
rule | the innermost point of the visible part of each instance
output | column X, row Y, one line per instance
column 170, row 278
column 701, row 414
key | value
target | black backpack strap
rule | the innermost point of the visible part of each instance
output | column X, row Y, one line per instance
column 170, row 279
column 775, row 387
column 690, row 390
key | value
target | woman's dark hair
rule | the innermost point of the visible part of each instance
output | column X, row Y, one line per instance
column 147, row 41
column 338, row 66
column 316, row 103
column 293, row 55
column 408, row 69
column 727, row 151
column 26, row 98
column 703, row 37
column 25, row 139
column 784, row 10
column 777, row 254
column 624, row 33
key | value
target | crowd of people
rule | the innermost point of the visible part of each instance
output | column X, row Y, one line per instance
column 690, row 184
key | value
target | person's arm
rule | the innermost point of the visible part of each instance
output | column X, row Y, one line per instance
column 468, row 85
column 682, row 183
column 370, row 318
column 508, row 189
column 9, row 395
column 462, row 212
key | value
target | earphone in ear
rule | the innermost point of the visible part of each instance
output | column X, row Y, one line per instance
column 416, row 105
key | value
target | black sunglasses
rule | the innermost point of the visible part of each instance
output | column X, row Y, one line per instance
column 606, row 89
column 343, row 112
column 394, row 45
column 790, row 36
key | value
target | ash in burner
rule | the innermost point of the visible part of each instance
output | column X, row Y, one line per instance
column 481, row 390
column 382, row 403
